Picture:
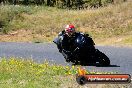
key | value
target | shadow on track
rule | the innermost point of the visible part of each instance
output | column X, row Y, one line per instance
column 108, row 66
column 98, row 65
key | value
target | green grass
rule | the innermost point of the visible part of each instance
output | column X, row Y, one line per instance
column 44, row 23
column 26, row 73
column 21, row 73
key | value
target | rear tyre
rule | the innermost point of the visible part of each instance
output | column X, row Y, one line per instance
column 103, row 59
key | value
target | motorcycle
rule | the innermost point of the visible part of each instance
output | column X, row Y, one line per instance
column 84, row 53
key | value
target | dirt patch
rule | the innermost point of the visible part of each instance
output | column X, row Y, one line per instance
column 24, row 36
column 32, row 36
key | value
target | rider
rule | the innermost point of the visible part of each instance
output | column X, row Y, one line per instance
column 67, row 39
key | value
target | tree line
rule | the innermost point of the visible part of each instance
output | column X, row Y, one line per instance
column 70, row 4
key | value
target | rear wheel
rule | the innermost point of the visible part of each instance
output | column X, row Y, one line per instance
column 103, row 59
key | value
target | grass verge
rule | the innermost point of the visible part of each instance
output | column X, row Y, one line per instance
column 41, row 24
column 24, row 73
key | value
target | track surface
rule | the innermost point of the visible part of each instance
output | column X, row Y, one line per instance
column 121, row 58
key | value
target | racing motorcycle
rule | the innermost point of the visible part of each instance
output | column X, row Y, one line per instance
column 84, row 52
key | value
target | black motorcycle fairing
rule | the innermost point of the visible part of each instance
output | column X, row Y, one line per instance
column 83, row 52
column 80, row 46
column 85, row 44
column 80, row 41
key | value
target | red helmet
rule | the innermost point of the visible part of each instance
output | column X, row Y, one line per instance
column 69, row 28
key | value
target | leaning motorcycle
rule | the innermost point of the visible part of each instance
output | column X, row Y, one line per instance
column 84, row 53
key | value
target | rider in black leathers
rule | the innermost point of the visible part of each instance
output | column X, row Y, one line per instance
column 66, row 43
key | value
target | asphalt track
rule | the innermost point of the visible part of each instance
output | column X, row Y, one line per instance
column 120, row 57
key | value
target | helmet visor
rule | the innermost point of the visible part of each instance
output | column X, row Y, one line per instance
column 67, row 30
